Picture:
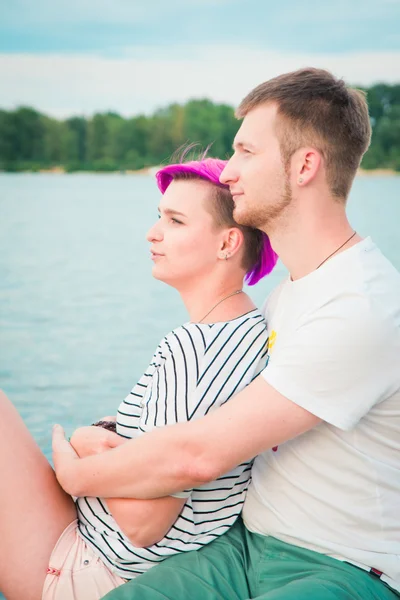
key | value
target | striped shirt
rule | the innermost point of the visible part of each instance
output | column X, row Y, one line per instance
column 195, row 369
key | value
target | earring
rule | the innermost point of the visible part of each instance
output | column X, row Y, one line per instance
column 226, row 256
column 301, row 180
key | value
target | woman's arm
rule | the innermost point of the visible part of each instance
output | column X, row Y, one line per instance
column 144, row 522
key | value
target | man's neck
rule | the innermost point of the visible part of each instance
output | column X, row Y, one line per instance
column 304, row 241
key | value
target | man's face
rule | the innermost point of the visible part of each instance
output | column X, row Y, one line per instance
column 255, row 173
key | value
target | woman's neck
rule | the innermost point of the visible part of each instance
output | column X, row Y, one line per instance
column 209, row 303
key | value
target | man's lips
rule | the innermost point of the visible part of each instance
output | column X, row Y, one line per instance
column 236, row 195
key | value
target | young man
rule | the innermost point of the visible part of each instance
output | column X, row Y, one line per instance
column 321, row 517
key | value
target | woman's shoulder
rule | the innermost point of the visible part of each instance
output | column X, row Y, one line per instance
column 201, row 335
column 186, row 336
column 251, row 320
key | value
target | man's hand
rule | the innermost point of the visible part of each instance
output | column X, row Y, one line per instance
column 90, row 440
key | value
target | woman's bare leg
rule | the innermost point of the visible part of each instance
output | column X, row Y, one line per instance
column 34, row 510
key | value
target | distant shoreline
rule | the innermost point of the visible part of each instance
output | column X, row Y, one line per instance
column 62, row 171
column 378, row 173
column 382, row 172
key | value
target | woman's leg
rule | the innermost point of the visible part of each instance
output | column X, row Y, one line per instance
column 34, row 510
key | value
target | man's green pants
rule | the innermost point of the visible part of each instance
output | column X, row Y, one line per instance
column 241, row 565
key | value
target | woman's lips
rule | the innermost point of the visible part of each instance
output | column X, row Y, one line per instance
column 155, row 255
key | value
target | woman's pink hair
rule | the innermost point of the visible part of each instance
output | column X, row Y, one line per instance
column 210, row 169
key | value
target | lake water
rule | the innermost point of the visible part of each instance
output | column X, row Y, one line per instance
column 80, row 314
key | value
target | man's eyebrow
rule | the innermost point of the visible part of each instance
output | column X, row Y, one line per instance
column 171, row 211
column 241, row 145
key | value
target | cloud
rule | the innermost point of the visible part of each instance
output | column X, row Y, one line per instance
column 62, row 85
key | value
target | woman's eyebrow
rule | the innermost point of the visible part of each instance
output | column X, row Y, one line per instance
column 171, row 211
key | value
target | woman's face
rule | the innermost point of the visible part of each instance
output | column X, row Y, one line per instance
column 185, row 244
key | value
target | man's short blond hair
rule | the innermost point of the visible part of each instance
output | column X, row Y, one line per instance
column 316, row 109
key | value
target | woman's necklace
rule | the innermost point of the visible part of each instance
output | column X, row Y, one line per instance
column 337, row 250
column 218, row 303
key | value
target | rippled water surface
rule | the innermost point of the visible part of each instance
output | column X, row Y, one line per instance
column 80, row 314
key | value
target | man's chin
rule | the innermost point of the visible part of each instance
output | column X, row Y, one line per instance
column 244, row 217
column 239, row 215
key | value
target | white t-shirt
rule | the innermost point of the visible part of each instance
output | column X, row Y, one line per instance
column 335, row 351
column 195, row 369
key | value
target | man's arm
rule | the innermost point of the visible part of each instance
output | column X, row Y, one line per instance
column 323, row 372
column 144, row 522
column 185, row 455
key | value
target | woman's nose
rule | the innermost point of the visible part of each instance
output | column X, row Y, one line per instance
column 154, row 234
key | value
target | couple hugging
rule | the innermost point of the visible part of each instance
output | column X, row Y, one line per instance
column 278, row 476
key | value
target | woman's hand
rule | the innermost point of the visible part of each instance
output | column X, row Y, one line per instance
column 65, row 459
column 90, row 440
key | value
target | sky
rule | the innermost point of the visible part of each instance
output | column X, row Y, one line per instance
column 68, row 57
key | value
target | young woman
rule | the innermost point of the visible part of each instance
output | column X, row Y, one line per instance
column 55, row 548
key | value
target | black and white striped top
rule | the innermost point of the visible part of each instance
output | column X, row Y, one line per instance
column 195, row 369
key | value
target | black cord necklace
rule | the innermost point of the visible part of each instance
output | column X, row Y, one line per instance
column 337, row 250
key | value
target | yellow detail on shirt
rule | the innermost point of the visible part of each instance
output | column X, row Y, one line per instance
column 272, row 340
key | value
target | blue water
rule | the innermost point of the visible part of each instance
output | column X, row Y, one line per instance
column 80, row 314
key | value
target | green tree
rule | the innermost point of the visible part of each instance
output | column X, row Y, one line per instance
column 30, row 140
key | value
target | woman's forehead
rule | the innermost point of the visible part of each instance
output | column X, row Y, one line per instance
column 186, row 195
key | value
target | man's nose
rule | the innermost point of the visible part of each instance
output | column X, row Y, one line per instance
column 228, row 175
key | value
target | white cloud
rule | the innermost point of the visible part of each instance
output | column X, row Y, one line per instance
column 62, row 85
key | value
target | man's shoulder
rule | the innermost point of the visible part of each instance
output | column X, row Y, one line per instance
column 360, row 290
column 378, row 270
column 361, row 284
column 378, row 284
column 365, row 266
column 362, row 277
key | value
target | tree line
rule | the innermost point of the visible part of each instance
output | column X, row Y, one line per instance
column 32, row 141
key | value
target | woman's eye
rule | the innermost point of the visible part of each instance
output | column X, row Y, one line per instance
column 176, row 221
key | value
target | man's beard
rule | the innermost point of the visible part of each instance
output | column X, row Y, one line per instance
column 263, row 217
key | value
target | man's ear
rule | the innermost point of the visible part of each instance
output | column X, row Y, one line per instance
column 305, row 166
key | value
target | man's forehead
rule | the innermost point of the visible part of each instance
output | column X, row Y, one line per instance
column 263, row 115
column 256, row 127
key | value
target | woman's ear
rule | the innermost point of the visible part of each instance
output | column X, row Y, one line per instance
column 231, row 242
